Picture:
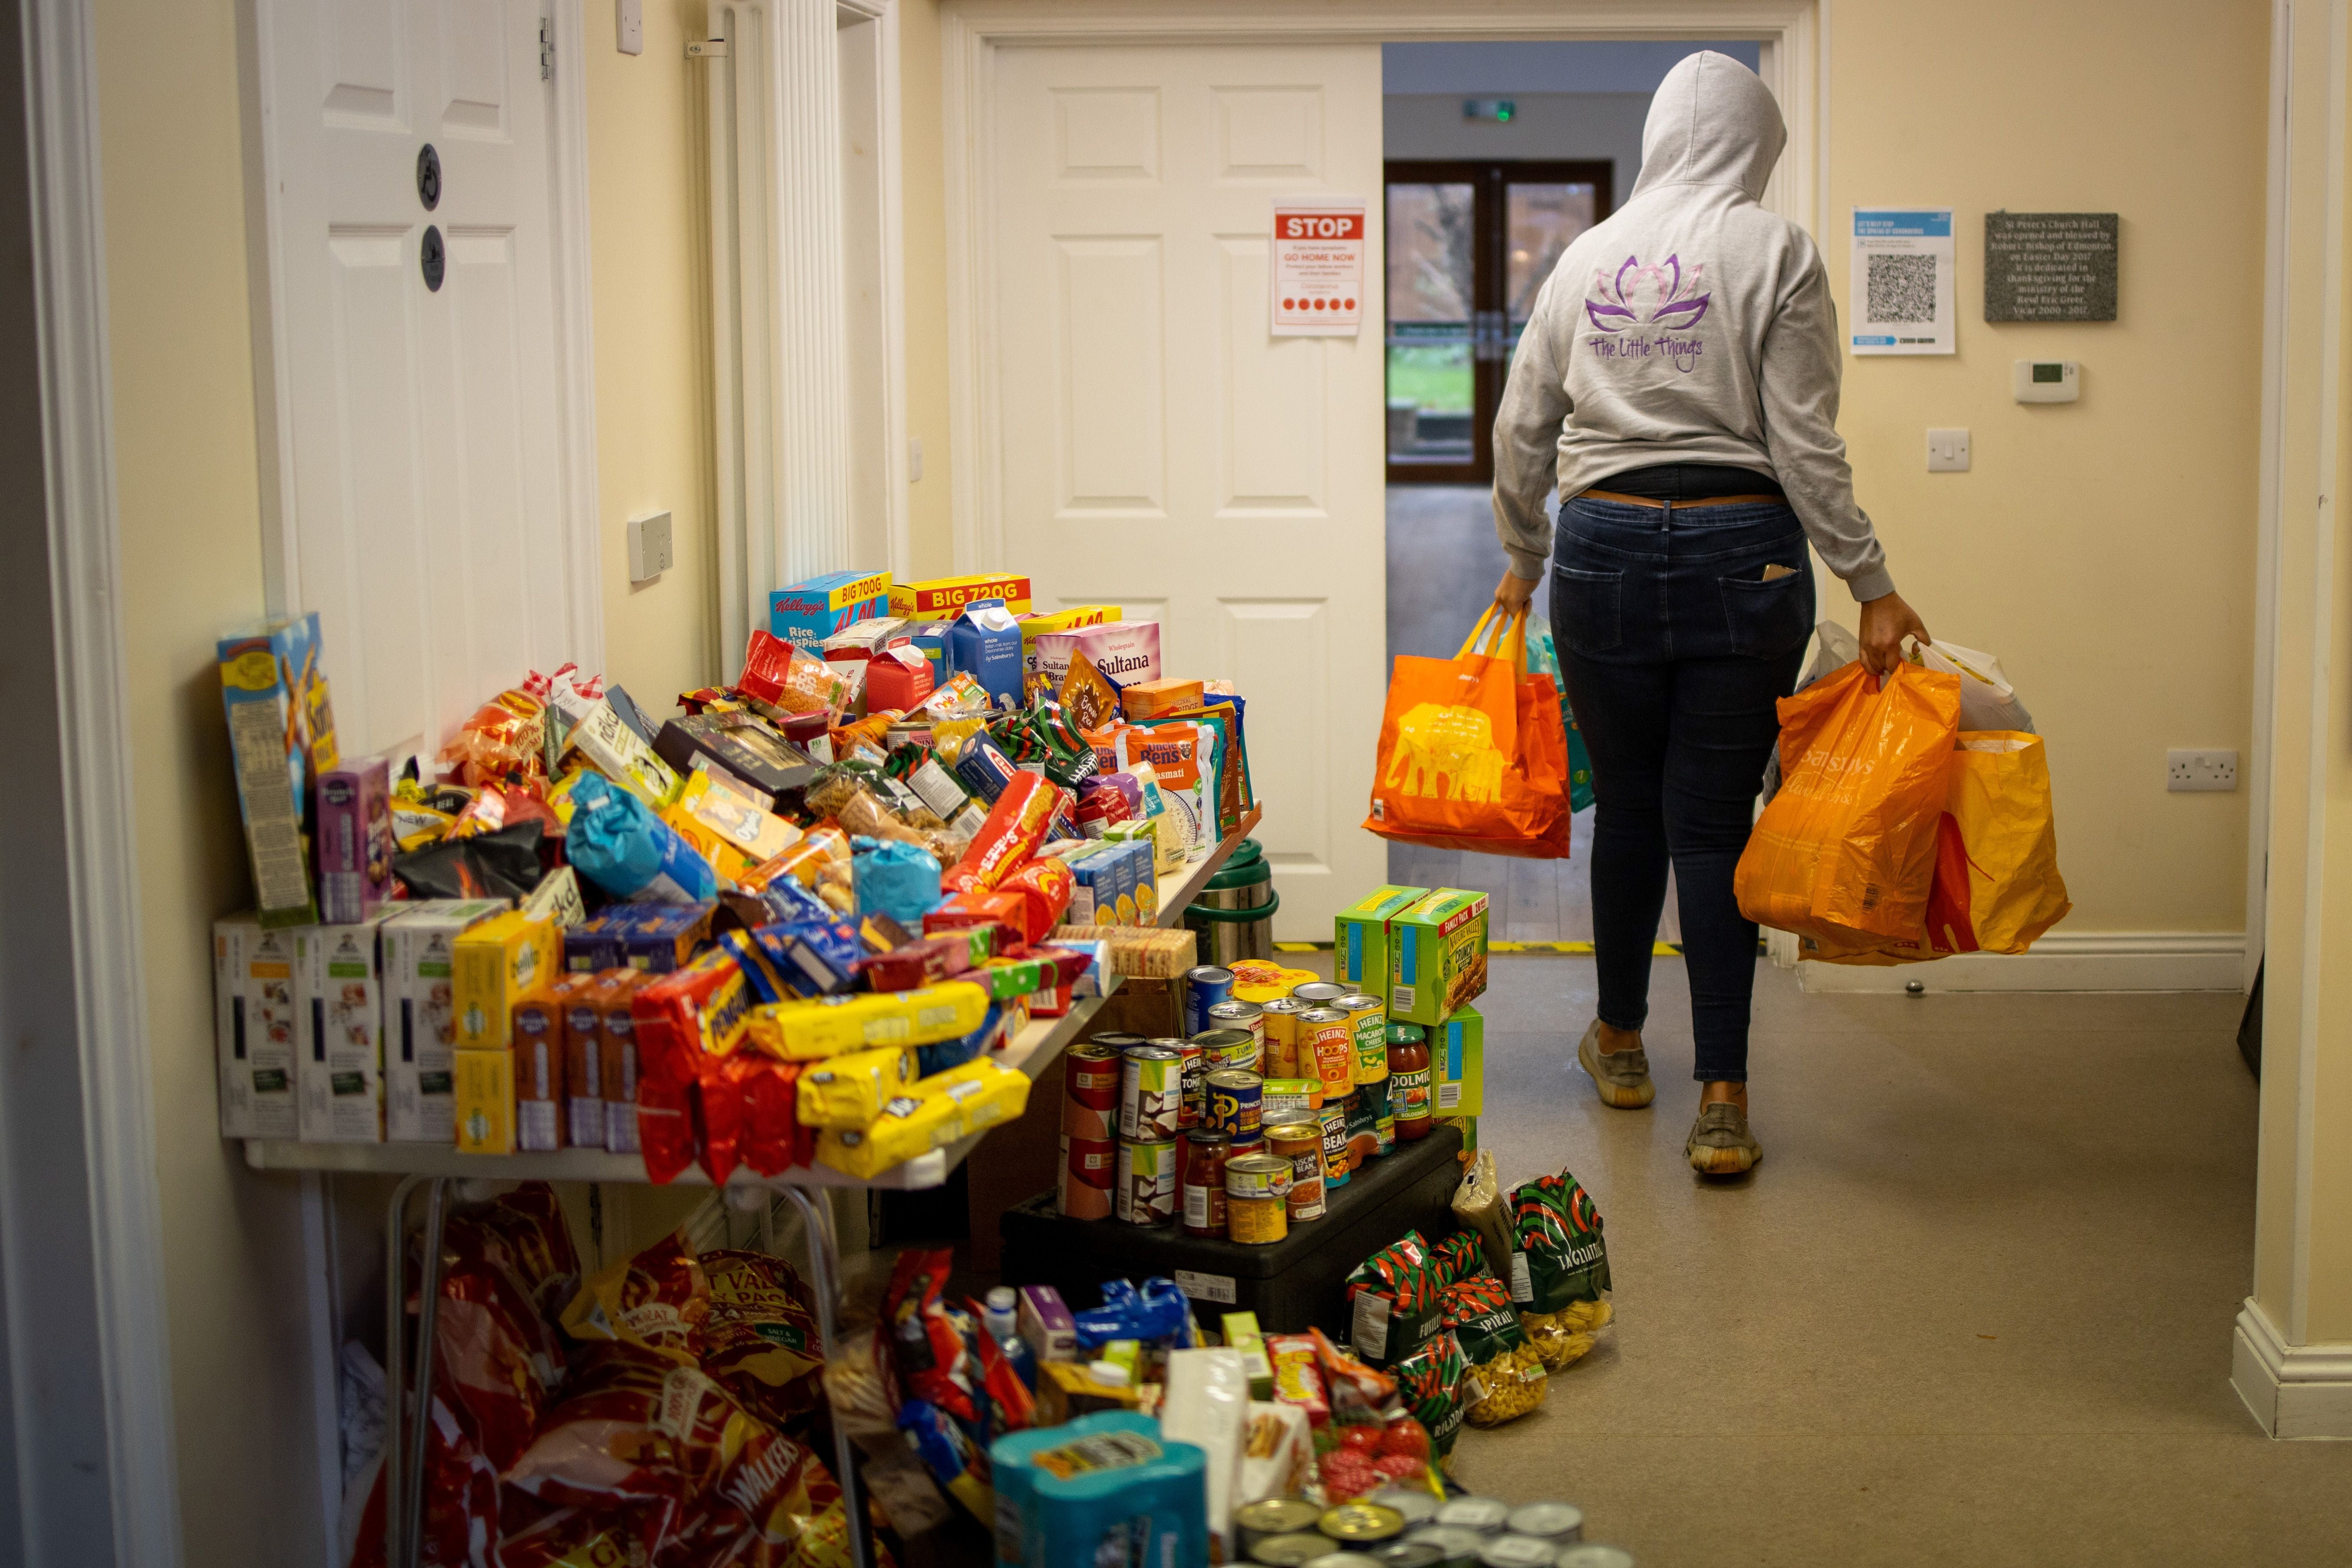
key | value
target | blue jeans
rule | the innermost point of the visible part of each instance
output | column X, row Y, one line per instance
column 1674, row 649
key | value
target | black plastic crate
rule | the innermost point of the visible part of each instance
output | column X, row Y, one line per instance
column 1293, row 1284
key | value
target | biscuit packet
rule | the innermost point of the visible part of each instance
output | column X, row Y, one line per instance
column 1560, row 1267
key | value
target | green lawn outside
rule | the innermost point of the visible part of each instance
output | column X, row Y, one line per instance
column 1437, row 377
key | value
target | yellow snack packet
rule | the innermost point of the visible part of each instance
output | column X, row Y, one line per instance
column 828, row 1026
column 850, row 1090
column 934, row 1112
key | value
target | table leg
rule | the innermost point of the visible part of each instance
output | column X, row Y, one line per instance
column 396, row 1388
column 428, row 1288
column 824, row 1263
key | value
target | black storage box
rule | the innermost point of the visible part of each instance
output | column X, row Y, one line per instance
column 1296, row 1283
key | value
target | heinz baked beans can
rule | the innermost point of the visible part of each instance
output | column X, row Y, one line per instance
column 1082, row 1187
column 1090, row 1075
column 1231, row 1048
column 1200, row 1182
column 1279, row 1019
column 1301, row 1143
column 1235, row 1013
column 1368, row 1033
column 1204, row 988
column 1150, row 1093
column 1326, row 1033
column 1145, row 1191
column 1332, row 1120
column 1235, row 1099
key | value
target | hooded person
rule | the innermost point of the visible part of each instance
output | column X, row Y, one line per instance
column 1678, row 382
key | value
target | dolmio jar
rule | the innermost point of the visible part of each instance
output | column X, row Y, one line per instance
column 1408, row 1088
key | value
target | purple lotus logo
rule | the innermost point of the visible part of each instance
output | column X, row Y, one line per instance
column 1662, row 295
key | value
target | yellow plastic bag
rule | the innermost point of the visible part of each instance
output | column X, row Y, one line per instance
column 1996, row 885
column 1847, row 848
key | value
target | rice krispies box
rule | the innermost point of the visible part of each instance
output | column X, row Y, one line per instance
column 805, row 614
column 1437, row 956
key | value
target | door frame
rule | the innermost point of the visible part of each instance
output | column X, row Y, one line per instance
column 971, row 32
column 1490, row 178
column 576, row 413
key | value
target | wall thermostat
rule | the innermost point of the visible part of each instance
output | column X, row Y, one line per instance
column 2046, row 379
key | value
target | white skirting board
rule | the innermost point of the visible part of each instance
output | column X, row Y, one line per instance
column 2061, row 961
column 2293, row 1390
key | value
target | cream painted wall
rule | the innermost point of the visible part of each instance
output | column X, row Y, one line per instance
column 188, row 487
column 923, row 183
column 2103, row 549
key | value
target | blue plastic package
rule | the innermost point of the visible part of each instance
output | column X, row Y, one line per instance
column 946, row 1054
column 1153, row 1510
column 895, row 878
column 819, row 958
column 985, row 643
column 1156, row 1314
column 1111, row 1439
column 617, row 842
column 947, row 1453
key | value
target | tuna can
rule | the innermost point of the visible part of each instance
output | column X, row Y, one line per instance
column 1090, row 1076
column 1294, row 1550
column 1485, row 1515
column 1082, row 1185
column 1408, row 1554
column 1151, row 1094
column 1321, row 993
column 1279, row 1019
column 1332, row 1120
column 1461, row 1547
column 1204, row 988
column 1257, row 1191
column 1254, row 1522
column 1518, row 1552
column 1368, row 1033
column 1291, row 1099
column 1326, row 1049
column 1146, row 1191
column 1561, row 1523
column 1200, row 1180
column 1363, row 1135
column 1418, row 1507
column 1234, row 1098
column 1237, row 1013
column 1234, row 1048
column 1360, row 1523
column 1301, row 1143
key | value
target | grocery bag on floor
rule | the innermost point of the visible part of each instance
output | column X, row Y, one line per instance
column 1473, row 753
column 1543, row 659
column 1848, row 845
column 1996, row 885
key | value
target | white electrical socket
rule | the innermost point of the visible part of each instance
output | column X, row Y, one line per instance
column 629, row 26
column 2185, row 771
column 1947, row 451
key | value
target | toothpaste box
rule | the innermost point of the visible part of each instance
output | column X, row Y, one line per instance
column 1437, row 956
column 354, row 839
column 1457, row 1061
column 254, row 1027
column 281, row 732
column 1125, row 652
column 421, row 1015
column 339, row 1001
column 1359, row 946
column 1044, row 1322
column 495, row 965
column 808, row 612
column 942, row 598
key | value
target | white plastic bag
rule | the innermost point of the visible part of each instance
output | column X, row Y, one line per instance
column 1987, row 701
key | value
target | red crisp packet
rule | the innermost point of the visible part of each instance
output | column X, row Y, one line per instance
column 927, row 1351
column 719, row 1115
column 682, row 1019
column 1043, row 888
column 773, row 1139
column 928, row 961
column 1002, row 910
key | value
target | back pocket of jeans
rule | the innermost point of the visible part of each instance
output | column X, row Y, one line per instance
column 1588, row 609
column 1768, row 619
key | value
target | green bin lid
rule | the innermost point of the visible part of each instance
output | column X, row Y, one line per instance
column 1244, row 868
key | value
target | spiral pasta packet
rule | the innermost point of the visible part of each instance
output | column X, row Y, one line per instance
column 1560, row 1267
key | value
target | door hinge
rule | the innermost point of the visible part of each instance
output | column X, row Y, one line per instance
column 546, row 48
column 708, row 49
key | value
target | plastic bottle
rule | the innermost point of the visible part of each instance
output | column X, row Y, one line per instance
column 1001, row 1318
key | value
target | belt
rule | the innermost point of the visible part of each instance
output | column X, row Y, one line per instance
column 1680, row 505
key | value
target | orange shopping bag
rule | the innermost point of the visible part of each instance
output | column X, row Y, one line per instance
column 1847, row 847
column 1996, row 886
column 1473, row 753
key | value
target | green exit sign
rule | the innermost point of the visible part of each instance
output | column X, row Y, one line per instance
column 1498, row 109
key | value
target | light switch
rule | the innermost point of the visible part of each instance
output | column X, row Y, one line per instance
column 649, row 554
column 1947, row 451
column 629, row 20
column 914, row 459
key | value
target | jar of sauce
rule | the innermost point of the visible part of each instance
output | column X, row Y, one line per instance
column 1410, row 1099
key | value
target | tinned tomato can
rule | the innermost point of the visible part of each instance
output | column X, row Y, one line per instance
column 1201, row 1182
column 1301, row 1143
column 1082, row 1185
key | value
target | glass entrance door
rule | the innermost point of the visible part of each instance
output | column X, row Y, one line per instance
column 1469, row 247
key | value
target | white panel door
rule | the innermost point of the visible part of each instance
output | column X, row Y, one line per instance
column 422, row 512
column 1159, row 451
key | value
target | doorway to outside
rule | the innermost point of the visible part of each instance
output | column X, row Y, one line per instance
column 1498, row 156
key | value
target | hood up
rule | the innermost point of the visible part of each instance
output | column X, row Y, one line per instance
column 1712, row 122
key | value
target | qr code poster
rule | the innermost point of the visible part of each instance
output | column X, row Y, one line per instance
column 1902, row 281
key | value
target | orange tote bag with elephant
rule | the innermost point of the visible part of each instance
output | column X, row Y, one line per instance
column 1473, row 753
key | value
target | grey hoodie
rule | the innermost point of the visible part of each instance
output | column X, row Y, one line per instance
column 1691, row 326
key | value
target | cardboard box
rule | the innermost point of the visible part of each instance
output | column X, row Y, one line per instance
column 808, row 612
column 620, row 1061
column 256, row 1027
column 421, row 1015
column 660, row 938
column 1127, row 652
column 339, row 999
column 1437, row 955
column 484, row 1102
column 1359, row 938
column 539, row 1099
column 1152, row 698
column 941, row 598
column 585, row 998
column 496, row 964
column 354, row 839
column 1457, row 1064
column 743, row 747
column 281, row 733
column 1060, row 621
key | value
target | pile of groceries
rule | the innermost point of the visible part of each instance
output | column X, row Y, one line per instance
column 788, row 926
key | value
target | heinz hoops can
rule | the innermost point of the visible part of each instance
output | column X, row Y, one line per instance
column 1328, row 1035
column 1146, row 1188
column 1151, row 1094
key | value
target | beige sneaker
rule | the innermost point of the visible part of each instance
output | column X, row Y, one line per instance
column 1622, row 1077
column 1720, row 1143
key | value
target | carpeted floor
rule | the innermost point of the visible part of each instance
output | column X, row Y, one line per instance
column 1974, row 1308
